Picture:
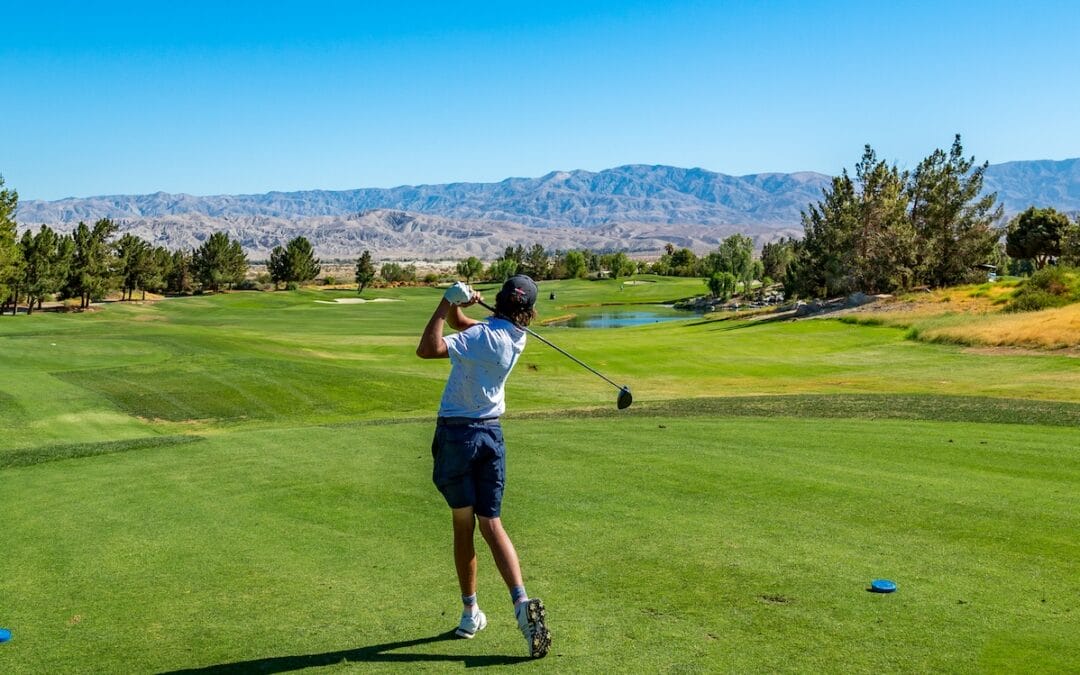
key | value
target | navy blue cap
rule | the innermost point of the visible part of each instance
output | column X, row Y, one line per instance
column 518, row 291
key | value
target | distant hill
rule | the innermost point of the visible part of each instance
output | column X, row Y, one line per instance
column 636, row 208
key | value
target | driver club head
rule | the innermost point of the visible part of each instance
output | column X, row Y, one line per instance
column 625, row 398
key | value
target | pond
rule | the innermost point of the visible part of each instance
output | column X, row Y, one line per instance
column 617, row 318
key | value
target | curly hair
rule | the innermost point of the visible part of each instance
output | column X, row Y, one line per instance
column 514, row 312
column 517, row 315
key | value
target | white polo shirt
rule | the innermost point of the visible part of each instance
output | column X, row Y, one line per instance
column 481, row 358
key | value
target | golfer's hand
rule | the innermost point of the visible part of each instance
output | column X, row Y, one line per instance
column 459, row 294
column 476, row 297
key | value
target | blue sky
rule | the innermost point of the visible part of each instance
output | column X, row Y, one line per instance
column 240, row 97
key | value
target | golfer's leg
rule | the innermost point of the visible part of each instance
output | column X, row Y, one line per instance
column 502, row 549
column 464, row 552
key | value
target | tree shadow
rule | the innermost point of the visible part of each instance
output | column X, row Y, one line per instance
column 373, row 654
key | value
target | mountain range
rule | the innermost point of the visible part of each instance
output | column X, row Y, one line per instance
column 636, row 208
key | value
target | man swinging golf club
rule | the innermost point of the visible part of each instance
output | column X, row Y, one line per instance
column 468, row 450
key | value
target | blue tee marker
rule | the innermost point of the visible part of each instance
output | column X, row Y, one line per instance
column 882, row 586
column 5, row 635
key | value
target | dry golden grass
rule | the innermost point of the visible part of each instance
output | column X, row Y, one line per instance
column 1057, row 328
column 972, row 315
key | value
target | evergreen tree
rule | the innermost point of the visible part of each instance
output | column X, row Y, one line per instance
column 365, row 271
column 536, row 262
column 9, row 249
column 296, row 263
column 884, row 240
column 90, row 274
column 44, row 268
column 180, row 278
column 158, row 268
column 822, row 264
column 953, row 223
column 219, row 262
column 278, row 266
column 133, row 260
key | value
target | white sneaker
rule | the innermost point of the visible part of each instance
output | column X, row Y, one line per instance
column 530, row 618
column 471, row 624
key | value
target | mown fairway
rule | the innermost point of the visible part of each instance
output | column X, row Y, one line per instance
column 241, row 483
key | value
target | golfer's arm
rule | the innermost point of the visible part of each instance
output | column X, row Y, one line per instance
column 457, row 319
column 431, row 343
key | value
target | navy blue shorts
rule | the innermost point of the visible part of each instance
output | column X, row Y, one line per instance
column 470, row 464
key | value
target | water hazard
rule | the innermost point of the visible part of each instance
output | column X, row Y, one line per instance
column 618, row 318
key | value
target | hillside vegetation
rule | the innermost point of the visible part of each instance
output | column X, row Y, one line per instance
column 1042, row 312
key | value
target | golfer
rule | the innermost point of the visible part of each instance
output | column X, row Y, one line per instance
column 468, row 450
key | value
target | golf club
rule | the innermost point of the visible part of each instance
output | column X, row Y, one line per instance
column 625, row 397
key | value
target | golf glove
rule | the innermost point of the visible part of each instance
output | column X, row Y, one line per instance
column 458, row 294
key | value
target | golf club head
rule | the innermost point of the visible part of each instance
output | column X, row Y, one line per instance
column 625, row 398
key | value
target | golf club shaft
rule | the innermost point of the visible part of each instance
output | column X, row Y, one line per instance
column 556, row 348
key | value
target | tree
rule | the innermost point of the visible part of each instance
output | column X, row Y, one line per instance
column 45, row 256
column 295, row 263
column 735, row 256
column 394, row 272
column 776, row 257
column 91, row 273
column 884, row 239
column 219, row 262
column 618, row 264
column 684, row 263
column 536, row 262
column 515, row 253
column 469, row 268
column 821, row 265
column 858, row 237
column 722, row 285
column 158, row 268
column 9, row 249
column 502, row 269
column 1070, row 245
column 180, row 279
column 953, row 222
column 133, row 264
column 576, row 265
column 1036, row 235
column 365, row 271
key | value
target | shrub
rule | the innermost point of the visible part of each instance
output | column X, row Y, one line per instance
column 1049, row 287
column 292, row 286
column 329, row 281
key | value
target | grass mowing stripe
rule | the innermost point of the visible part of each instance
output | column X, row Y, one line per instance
column 53, row 453
column 850, row 406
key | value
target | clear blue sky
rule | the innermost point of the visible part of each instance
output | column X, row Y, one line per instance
column 242, row 97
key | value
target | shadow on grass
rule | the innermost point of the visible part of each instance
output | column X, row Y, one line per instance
column 373, row 654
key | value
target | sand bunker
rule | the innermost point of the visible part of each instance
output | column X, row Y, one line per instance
column 354, row 301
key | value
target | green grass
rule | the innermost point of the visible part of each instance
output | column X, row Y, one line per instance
column 242, row 483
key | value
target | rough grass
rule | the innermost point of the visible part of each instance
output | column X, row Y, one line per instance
column 974, row 316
